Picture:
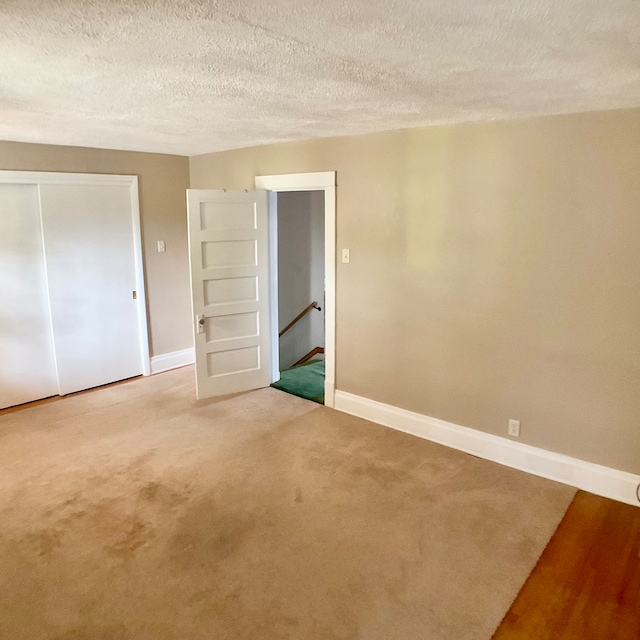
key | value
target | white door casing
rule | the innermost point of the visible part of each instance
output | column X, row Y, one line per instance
column 229, row 254
column 318, row 181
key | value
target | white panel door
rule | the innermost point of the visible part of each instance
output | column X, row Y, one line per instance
column 89, row 248
column 229, row 246
column 27, row 365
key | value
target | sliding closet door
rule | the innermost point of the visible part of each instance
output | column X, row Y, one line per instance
column 88, row 236
column 27, row 365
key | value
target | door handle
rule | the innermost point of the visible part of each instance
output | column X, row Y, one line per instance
column 200, row 323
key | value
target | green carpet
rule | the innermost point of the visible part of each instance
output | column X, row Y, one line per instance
column 305, row 381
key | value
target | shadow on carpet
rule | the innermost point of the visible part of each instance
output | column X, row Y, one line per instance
column 305, row 381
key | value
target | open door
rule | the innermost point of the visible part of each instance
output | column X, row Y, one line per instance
column 228, row 249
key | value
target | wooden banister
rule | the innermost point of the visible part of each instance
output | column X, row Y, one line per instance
column 314, row 352
column 313, row 305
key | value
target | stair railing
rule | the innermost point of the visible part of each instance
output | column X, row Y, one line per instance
column 314, row 352
column 313, row 305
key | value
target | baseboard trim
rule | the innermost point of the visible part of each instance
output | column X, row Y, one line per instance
column 173, row 360
column 595, row 478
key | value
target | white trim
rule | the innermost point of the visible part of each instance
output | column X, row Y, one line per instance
column 46, row 177
column 173, row 360
column 595, row 478
column 273, row 285
column 297, row 181
column 319, row 181
column 330, row 294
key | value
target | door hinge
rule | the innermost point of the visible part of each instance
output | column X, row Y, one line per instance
column 135, row 295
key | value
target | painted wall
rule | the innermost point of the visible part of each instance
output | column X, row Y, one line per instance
column 495, row 272
column 163, row 180
column 300, row 272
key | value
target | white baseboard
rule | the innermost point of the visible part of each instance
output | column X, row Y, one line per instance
column 173, row 360
column 594, row 478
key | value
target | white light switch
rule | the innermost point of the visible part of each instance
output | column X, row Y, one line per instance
column 346, row 255
column 161, row 246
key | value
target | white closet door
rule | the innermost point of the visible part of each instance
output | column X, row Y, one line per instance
column 27, row 365
column 88, row 236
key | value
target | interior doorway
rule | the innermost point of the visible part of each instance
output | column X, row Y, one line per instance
column 305, row 194
column 299, row 245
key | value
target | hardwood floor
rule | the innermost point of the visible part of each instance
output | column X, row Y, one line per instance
column 586, row 585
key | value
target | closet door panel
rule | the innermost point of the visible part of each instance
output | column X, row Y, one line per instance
column 88, row 231
column 27, row 365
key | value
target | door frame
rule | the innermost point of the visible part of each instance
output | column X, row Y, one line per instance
column 87, row 179
column 319, row 181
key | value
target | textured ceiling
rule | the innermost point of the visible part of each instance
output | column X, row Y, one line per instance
column 190, row 77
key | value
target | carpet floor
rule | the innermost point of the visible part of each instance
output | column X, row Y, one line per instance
column 305, row 381
column 136, row 512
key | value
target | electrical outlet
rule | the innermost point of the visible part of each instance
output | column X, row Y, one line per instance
column 161, row 246
column 514, row 428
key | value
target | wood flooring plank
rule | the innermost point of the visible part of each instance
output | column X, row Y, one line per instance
column 586, row 585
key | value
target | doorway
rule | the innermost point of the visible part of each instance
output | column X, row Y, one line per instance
column 322, row 194
column 234, row 284
column 299, row 244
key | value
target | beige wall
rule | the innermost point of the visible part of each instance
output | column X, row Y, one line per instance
column 495, row 272
column 162, row 183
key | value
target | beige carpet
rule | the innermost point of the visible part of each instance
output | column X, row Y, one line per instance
column 136, row 512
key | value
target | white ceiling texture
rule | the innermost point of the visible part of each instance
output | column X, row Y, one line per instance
column 191, row 77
